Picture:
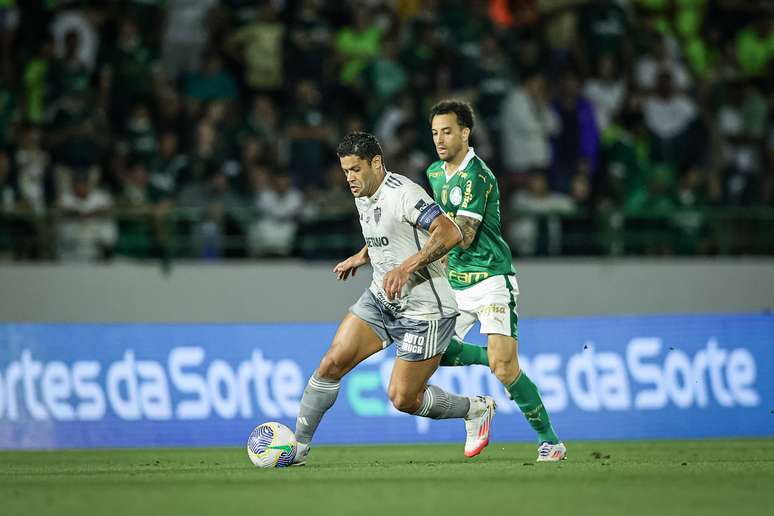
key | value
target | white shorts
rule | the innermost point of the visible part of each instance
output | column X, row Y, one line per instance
column 493, row 303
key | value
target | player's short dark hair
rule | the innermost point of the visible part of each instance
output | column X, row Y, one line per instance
column 462, row 109
column 363, row 145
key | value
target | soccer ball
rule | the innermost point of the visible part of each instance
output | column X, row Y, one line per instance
column 272, row 445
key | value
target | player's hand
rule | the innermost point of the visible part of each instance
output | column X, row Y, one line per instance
column 394, row 281
column 348, row 267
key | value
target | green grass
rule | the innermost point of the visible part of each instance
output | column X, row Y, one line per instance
column 708, row 477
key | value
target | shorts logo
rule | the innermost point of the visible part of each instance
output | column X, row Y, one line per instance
column 455, row 196
column 493, row 309
column 413, row 343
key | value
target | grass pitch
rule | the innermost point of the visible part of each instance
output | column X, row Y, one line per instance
column 709, row 477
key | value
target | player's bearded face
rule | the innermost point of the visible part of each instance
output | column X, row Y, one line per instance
column 363, row 178
column 449, row 136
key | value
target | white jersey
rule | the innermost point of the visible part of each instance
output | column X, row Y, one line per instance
column 392, row 220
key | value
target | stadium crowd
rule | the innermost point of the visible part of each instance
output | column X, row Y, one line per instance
column 207, row 128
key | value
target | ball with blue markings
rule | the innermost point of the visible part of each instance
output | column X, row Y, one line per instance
column 272, row 445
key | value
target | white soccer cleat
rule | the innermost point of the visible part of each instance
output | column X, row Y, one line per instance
column 302, row 452
column 548, row 452
column 477, row 424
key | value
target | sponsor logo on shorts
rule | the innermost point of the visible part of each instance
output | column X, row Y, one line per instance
column 413, row 343
column 493, row 309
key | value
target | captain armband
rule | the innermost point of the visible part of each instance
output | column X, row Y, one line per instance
column 427, row 214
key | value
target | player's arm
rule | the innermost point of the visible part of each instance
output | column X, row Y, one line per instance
column 471, row 212
column 350, row 265
column 468, row 227
column 444, row 235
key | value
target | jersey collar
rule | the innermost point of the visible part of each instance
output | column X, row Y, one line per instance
column 468, row 156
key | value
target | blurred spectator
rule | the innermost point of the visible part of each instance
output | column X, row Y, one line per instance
column 211, row 82
column 491, row 76
column 356, row 45
column 172, row 116
column 626, row 158
column 606, row 91
column 33, row 172
column 185, row 36
column 742, row 132
column 392, row 117
column 657, row 62
column 668, row 117
column 35, row 75
column 7, row 188
column 168, row 167
column 206, row 155
column 536, row 227
column 9, row 112
column 604, row 29
column 140, row 135
column 755, row 45
column 387, row 76
column 78, row 133
column 279, row 207
column 261, row 121
column 258, row 46
column 7, row 206
column 329, row 219
column 128, row 73
column 690, row 219
column 87, row 230
column 136, row 209
column 650, row 209
column 69, row 74
column 214, row 216
column 528, row 123
column 420, row 57
column 406, row 156
column 9, row 20
column 78, row 25
column 309, row 133
column 576, row 143
column 309, row 43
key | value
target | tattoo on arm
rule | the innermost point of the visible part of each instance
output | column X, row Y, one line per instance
column 469, row 228
column 433, row 250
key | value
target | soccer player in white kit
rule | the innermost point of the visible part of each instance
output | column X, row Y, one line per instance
column 409, row 301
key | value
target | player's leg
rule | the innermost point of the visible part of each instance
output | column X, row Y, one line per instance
column 500, row 322
column 418, row 358
column 460, row 353
column 355, row 341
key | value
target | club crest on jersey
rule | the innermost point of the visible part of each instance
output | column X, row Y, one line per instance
column 377, row 214
column 455, row 196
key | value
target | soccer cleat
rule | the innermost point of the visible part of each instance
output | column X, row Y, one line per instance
column 548, row 452
column 477, row 424
column 302, row 452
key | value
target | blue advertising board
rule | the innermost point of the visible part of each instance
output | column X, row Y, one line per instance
column 633, row 377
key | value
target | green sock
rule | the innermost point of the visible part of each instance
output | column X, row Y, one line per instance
column 460, row 354
column 527, row 397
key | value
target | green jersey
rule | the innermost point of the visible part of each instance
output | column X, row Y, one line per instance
column 472, row 192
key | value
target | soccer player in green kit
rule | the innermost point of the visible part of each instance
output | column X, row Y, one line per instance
column 480, row 268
